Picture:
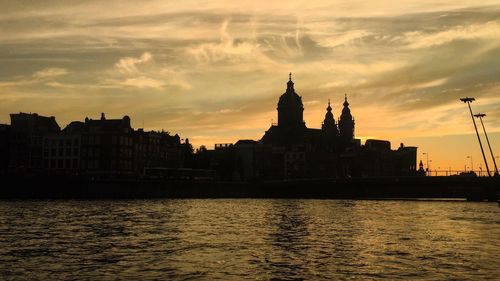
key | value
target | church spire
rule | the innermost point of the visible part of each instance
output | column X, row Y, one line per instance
column 329, row 125
column 346, row 122
column 346, row 103
column 289, row 85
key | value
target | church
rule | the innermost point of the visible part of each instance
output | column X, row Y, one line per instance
column 290, row 150
column 310, row 152
column 291, row 128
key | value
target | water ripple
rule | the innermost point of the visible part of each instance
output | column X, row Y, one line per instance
column 249, row 239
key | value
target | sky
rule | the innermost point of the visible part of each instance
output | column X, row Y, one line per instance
column 212, row 71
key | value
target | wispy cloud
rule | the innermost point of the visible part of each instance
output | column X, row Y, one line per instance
column 128, row 65
column 215, row 70
column 137, row 82
column 50, row 72
column 484, row 31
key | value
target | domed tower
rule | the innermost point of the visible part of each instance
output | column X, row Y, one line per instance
column 346, row 123
column 329, row 125
column 290, row 108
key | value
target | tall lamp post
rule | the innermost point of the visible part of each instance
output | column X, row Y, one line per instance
column 468, row 100
column 480, row 117
column 427, row 156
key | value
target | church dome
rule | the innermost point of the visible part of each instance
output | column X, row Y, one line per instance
column 290, row 97
column 290, row 108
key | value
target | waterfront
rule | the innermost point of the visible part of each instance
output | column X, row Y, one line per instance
column 249, row 239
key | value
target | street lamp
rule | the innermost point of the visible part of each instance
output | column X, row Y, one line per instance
column 480, row 116
column 468, row 100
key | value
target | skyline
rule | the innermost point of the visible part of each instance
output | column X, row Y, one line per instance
column 212, row 72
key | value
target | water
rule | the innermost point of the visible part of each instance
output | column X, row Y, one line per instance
column 249, row 239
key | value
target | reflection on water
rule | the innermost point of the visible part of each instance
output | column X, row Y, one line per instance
column 249, row 239
column 288, row 225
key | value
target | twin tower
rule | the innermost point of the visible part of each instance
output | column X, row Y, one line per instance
column 291, row 115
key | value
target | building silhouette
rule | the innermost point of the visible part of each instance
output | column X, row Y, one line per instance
column 288, row 150
column 346, row 123
column 4, row 148
column 26, row 140
column 34, row 144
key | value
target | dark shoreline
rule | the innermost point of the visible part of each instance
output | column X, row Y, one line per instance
column 469, row 188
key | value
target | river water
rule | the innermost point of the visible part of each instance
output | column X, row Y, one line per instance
column 249, row 239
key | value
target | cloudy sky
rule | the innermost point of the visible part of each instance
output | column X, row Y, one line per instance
column 212, row 71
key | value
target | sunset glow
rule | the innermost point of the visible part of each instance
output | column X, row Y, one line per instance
column 212, row 71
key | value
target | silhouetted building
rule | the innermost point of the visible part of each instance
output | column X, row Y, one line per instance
column 245, row 151
column 290, row 109
column 346, row 123
column 329, row 126
column 332, row 151
column 61, row 152
column 26, row 141
column 4, row 148
column 288, row 150
column 307, row 152
column 107, row 145
column 157, row 150
column 377, row 159
column 223, row 161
